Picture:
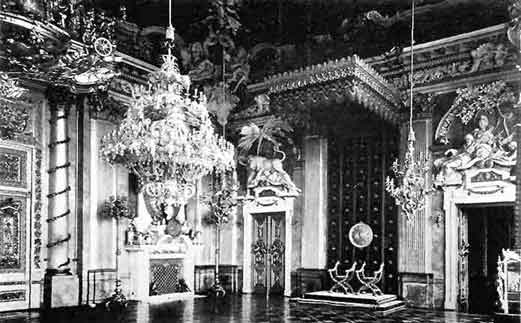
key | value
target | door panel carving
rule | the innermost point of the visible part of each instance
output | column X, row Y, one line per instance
column 268, row 251
column 12, row 225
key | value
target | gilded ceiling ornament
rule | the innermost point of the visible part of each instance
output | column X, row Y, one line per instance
column 63, row 44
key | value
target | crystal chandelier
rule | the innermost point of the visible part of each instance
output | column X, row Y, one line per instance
column 410, row 192
column 167, row 138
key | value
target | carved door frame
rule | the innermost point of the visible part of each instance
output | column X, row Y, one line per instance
column 469, row 194
column 16, row 289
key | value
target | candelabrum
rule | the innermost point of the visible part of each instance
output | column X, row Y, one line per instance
column 222, row 205
column 117, row 207
column 217, row 290
column 117, row 299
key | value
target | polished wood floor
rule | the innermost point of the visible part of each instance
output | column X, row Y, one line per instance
column 237, row 309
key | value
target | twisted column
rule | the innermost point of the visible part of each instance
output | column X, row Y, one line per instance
column 58, row 260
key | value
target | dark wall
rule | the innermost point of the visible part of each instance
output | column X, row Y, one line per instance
column 357, row 168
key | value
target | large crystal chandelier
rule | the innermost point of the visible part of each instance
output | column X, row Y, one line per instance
column 410, row 192
column 167, row 138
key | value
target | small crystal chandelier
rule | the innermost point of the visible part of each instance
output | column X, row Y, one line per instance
column 410, row 193
column 167, row 138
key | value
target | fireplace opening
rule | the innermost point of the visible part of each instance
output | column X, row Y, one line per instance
column 490, row 229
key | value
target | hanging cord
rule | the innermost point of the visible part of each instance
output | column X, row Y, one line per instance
column 412, row 69
column 224, row 87
column 170, row 31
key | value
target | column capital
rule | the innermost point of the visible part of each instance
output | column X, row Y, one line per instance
column 59, row 95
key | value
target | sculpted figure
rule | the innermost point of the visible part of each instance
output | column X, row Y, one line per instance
column 478, row 147
column 457, row 159
column 485, row 140
column 255, row 164
column 507, row 152
column 196, row 61
column 270, row 172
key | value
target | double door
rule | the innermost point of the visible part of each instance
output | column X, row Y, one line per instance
column 268, row 251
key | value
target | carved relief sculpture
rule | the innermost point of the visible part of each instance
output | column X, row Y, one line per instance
column 490, row 144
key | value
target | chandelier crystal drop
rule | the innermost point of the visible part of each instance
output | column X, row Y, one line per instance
column 411, row 190
column 167, row 138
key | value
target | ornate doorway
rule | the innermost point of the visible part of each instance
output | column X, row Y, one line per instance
column 268, row 253
column 266, row 266
column 484, row 232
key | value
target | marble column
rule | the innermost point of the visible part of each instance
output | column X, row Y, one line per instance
column 57, row 290
column 314, row 221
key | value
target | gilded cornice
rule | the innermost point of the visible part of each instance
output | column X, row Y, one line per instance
column 444, row 65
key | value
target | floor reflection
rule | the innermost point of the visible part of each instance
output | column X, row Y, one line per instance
column 247, row 308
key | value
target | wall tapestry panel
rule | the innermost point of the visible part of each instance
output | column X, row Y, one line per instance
column 357, row 168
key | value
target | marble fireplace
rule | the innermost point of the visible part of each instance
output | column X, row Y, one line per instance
column 160, row 266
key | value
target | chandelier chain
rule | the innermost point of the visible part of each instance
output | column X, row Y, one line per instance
column 412, row 67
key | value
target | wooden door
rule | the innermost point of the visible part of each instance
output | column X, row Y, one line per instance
column 268, row 252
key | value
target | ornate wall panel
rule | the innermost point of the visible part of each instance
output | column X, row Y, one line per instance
column 357, row 168
column 12, row 233
column 12, row 296
column 37, row 215
column 13, row 165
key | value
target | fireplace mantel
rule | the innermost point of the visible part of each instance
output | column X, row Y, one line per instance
column 139, row 262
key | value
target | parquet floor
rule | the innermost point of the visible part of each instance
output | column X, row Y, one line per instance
column 245, row 308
